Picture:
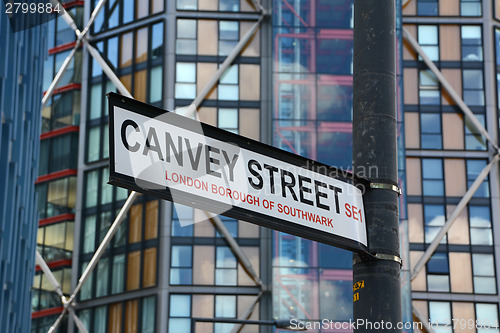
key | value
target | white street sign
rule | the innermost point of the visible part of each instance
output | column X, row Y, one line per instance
column 179, row 159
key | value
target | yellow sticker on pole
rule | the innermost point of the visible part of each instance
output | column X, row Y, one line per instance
column 358, row 285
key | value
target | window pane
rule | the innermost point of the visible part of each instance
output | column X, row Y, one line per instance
column 432, row 168
column 179, row 324
column 485, row 285
column 439, row 312
column 118, row 274
column 228, row 92
column 100, row 319
column 225, row 306
column 438, row 263
column 186, row 46
column 89, row 239
column 470, row 8
column 95, row 101
column 92, row 184
column 483, row 264
column 480, row 216
column 473, row 79
column 94, row 142
column 148, row 314
column 230, row 75
column 186, row 28
column 128, row 11
column 225, row 258
column 226, row 277
column 471, row 43
column 107, row 190
column 427, row 8
column 102, row 277
column 185, row 90
column 157, row 41
column 186, row 72
column 438, row 283
column 187, row 4
column 486, row 312
column 181, row 256
column 180, row 306
column 481, row 236
column 228, row 30
column 229, row 5
column 156, row 84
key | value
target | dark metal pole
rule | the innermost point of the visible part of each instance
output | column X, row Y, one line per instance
column 376, row 277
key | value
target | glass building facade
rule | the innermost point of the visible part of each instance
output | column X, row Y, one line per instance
column 445, row 154
column 58, row 168
column 21, row 70
column 291, row 86
column 312, row 117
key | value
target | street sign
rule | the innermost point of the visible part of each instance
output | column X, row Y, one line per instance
column 172, row 157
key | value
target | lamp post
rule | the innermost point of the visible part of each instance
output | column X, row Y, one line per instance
column 280, row 323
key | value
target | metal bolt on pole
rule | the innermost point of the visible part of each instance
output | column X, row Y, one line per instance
column 376, row 276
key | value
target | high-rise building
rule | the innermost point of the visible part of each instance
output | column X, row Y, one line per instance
column 289, row 86
column 21, row 70
column 57, row 172
column 445, row 154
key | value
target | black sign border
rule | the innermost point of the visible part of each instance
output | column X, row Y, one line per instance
column 239, row 213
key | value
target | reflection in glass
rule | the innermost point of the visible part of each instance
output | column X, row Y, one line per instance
column 434, row 219
column 432, row 172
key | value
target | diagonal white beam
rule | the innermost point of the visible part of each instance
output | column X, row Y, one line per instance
column 56, row 324
column 93, row 16
column 223, row 67
column 107, row 70
column 449, row 89
column 246, row 315
column 48, row 273
column 406, row 2
column 66, row 17
column 79, row 324
column 104, row 244
column 257, row 5
column 59, row 74
column 121, row 215
column 240, row 255
column 426, row 328
column 456, row 212
column 80, row 36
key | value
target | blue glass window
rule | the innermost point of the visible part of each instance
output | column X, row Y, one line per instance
column 180, row 313
column 432, row 174
column 430, row 129
column 434, row 219
column 181, row 265
column 474, row 168
column 427, row 7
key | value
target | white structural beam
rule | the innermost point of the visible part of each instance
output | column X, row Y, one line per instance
column 107, row 70
column 191, row 109
column 453, row 217
column 246, row 315
column 66, row 17
column 449, row 89
column 48, row 273
column 59, row 74
column 426, row 328
column 240, row 255
column 104, row 244
column 81, row 37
